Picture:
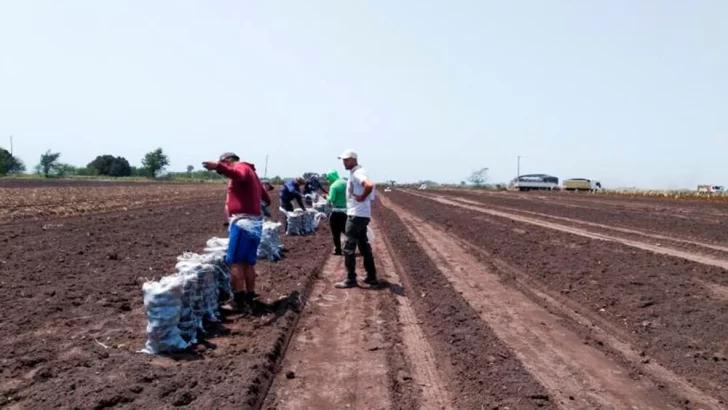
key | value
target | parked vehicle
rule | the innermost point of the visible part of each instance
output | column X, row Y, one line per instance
column 535, row 182
column 582, row 184
column 711, row 188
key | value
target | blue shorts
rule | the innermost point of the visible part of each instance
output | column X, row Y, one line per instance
column 243, row 244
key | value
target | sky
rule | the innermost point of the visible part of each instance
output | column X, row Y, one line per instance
column 630, row 92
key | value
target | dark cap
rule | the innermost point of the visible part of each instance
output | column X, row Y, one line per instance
column 228, row 155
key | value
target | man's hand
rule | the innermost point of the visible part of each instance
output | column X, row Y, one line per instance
column 361, row 198
column 210, row 165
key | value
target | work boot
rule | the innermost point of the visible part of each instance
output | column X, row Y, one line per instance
column 371, row 281
column 240, row 302
column 257, row 307
column 337, row 252
column 345, row 284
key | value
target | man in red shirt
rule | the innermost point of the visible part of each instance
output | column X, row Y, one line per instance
column 243, row 209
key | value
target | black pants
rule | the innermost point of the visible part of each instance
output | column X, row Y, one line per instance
column 356, row 235
column 337, row 222
column 288, row 206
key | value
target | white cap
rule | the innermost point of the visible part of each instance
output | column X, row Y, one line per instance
column 348, row 154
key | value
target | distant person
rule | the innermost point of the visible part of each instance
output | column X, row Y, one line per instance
column 289, row 191
column 337, row 199
column 267, row 187
column 245, row 195
column 359, row 194
column 313, row 186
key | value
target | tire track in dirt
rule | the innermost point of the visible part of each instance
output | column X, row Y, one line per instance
column 346, row 328
column 421, row 356
column 479, row 369
column 577, row 375
column 706, row 260
column 337, row 359
column 658, row 217
column 597, row 225
column 718, row 290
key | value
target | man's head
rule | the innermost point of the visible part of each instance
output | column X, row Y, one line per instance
column 300, row 181
column 350, row 159
column 229, row 158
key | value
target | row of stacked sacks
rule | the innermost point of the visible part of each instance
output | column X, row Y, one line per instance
column 305, row 222
column 179, row 306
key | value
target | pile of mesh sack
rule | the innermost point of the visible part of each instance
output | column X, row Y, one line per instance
column 323, row 206
column 179, row 305
column 271, row 245
column 163, row 304
column 215, row 250
column 199, row 297
column 302, row 223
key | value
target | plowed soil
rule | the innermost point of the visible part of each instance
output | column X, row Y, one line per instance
column 707, row 223
column 72, row 198
column 490, row 301
column 479, row 368
column 664, row 306
column 73, row 317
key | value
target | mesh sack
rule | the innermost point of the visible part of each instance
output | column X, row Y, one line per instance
column 271, row 245
column 221, row 272
column 163, row 306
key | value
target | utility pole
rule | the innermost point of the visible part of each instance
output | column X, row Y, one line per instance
column 518, row 170
column 265, row 173
column 11, row 145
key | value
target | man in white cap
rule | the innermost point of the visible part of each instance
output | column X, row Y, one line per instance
column 359, row 194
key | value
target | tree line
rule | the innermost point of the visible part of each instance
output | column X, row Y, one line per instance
column 154, row 163
column 50, row 165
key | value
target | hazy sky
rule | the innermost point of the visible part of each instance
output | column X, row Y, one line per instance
column 633, row 92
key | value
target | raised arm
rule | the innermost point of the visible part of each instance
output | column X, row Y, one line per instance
column 235, row 173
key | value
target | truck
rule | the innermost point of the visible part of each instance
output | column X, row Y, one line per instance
column 582, row 184
column 711, row 188
column 534, row 182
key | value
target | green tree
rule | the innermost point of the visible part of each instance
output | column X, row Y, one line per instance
column 10, row 164
column 109, row 165
column 479, row 177
column 48, row 163
column 277, row 180
column 155, row 162
column 65, row 170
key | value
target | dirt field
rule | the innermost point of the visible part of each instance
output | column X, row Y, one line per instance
column 494, row 301
column 73, row 284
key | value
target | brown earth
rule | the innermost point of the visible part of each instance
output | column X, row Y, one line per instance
column 708, row 222
column 13, row 182
column 73, row 317
column 701, row 252
column 480, row 370
column 660, row 303
column 59, row 200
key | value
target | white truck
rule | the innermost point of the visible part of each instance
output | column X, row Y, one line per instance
column 711, row 188
column 534, row 182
